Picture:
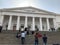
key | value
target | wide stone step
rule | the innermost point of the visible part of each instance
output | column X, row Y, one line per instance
column 9, row 37
column 25, row 44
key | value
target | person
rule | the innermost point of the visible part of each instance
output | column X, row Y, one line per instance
column 18, row 35
column 19, row 29
column 6, row 27
column 36, row 28
column 25, row 30
column 23, row 34
column 36, row 39
column 32, row 32
column 44, row 39
column 0, row 29
column 37, row 35
column 53, row 29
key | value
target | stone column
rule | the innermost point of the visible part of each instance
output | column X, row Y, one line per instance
column 48, row 25
column 18, row 23
column 1, row 20
column 40, row 24
column 26, row 21
column 54, row 22
column 33, row 23
column 9, row 24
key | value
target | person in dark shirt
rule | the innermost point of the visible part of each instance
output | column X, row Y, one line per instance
column 36, row 39
column 44, row 39
column 37, row 36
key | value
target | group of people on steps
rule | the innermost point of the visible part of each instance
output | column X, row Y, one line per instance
column 37, row 35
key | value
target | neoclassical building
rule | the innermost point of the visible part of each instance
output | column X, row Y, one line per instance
column 14, row 18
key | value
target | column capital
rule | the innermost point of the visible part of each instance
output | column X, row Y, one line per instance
column 26, row 16
column 41, row 17
column 33, row 17
column 47, row 18
column 10, row 15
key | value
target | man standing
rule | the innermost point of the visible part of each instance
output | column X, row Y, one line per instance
column 23, row 34
column 44, row 39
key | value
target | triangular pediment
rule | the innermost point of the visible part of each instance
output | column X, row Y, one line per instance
column 29, row 10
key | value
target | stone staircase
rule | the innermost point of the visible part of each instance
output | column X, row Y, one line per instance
column 9, row 38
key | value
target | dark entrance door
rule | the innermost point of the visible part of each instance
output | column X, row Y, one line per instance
column 14, row 27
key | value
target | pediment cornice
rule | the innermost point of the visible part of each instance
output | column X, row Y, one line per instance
column 29, row 10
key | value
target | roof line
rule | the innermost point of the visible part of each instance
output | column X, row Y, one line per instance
column 28, row 7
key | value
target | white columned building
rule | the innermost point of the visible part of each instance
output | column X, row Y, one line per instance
column 28, row 16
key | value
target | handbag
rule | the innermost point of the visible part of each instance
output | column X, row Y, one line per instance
column 18, row 36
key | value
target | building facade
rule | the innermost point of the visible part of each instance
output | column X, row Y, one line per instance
column 14, row 18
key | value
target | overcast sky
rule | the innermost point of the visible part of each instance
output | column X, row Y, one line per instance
column 49, row 5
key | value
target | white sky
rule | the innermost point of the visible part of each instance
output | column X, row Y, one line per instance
column 49, row 5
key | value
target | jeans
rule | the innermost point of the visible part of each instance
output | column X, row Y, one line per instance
column 22, row 40
column 45, row 43
column 36, row 42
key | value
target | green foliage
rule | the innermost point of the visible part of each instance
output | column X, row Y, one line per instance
column 58, row 28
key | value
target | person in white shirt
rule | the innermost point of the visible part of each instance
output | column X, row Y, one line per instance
column 23, row 34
